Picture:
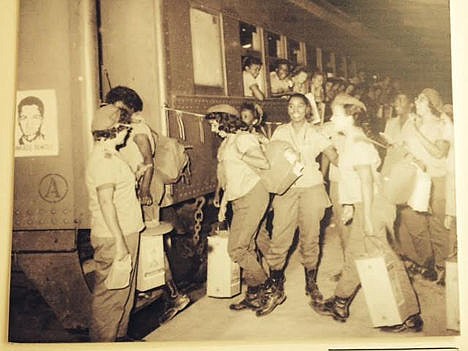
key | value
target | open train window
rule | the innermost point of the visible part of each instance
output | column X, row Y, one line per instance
column 295, row 52
column 328, row 62
column 208, row 67
column 275, row 49
column 250, row 40
column 312, row 61
column 341, row 66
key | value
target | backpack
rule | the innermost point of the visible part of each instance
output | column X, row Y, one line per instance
column 170, row 158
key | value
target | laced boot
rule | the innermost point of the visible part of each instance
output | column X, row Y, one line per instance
column 252, row 300
column 311, row 288
column 277, row 277
column 335, row 306
column 272, row 296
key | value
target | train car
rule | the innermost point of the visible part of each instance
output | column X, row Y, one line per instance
column 181, row 56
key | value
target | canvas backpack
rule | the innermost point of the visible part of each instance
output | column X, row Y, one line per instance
column 170, row 158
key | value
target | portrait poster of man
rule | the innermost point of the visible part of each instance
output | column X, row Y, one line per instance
column 36, row 123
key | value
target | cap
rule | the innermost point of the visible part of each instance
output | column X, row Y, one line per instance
column 224, row 108
column 105, row 117
column 434, row 98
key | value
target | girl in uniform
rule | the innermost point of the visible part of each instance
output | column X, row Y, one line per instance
column 238, row 156
column 370, row 215
column 303, row 205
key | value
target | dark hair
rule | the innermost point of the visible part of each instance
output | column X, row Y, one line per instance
column 361, row 119
column 317, row 72
column 250, row 60
column 306, row 101
column 251, row 107
column 108, row 133
column 127, row 96
column 227, row 122
column 283, row 62
column 31, row 100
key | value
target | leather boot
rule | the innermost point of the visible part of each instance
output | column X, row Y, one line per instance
column 277, row 277
column 272, row 296
column 252, row 300
column 335, row 306
column 311, row 288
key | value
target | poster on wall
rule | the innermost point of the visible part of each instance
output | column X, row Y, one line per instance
column 36, row 123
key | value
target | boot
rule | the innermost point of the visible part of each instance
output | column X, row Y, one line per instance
column 178, row 302
column 311, row 288
column 335, row 306
column 277, row 277
column 272, row 296
column 252, row 300
column 412, row 324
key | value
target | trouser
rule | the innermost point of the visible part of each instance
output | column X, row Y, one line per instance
column 263, row 236
column 383, row 215
column 110, row 309
column 303, row 207
column 343, row 231
column 247, row 213
column 423, row 237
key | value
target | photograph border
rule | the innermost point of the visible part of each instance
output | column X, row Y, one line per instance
column 8, row 44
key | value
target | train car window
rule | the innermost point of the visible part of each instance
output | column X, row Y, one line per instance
column 312, row 62
column 252, row 59
column 249, row 39
column 295, row 54
column 341, row 66
column 208, row 67
column 274, row 46
column 328, row 62
column 352, row 70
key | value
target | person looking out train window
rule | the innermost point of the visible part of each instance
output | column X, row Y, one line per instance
column 252, row 79
column 280, row 81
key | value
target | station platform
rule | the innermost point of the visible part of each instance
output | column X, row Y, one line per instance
column 210, row 320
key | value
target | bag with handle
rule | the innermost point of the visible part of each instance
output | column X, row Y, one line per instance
column 285, row 167
column 170, row 158
column 223, row 275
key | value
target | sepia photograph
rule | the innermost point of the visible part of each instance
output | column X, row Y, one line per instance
column 233, row 172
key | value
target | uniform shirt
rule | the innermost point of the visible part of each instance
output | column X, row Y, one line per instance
column 240, row 178
column 337, row 141
column 309, row 144
column 130, row 152
column 355, row 152
column 433, row 129
column 249, row 81
column 393, row 129
column 277, row 85
column 107, row 167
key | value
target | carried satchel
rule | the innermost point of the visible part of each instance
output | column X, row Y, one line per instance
column 285, row 167
column 170, row 158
